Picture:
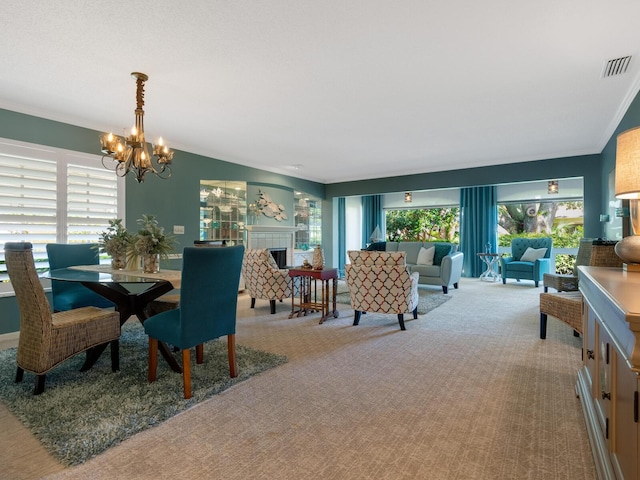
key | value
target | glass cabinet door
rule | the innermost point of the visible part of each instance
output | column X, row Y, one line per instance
column 308, row 219
column 223, row 211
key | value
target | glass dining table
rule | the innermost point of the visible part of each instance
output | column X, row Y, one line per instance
column 110, row 283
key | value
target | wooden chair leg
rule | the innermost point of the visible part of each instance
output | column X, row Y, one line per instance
column 356, row 317
column 186, row 372
column 273, row 306
column 115, row 355
column 253, row 302
column 401, row 321
column 445, row 289
column 200, row 354
column 153, row 359
column 231, row 347
column 19, row 375
column 415, row 313
column 39, row 388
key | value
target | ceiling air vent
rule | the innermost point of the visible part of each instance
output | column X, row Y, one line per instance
column 617, row 66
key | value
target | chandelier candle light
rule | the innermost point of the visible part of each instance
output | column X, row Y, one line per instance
column 130, row 153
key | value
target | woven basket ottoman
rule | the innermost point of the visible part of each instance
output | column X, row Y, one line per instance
column 565, row 306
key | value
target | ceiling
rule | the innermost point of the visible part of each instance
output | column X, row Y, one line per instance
column 332, row 90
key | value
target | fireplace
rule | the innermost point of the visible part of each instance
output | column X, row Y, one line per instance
column 273, row 237
column 280, row 256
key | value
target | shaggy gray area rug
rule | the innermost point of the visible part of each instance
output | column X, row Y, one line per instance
column 81, row 414
column 429, row 298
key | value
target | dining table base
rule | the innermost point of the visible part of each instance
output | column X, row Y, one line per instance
column 127, row 304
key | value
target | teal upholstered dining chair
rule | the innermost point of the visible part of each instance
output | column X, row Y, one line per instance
column 207, row 310
column 524, row 264
column 70, row 295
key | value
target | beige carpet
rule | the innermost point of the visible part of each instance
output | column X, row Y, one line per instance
column 468, row 391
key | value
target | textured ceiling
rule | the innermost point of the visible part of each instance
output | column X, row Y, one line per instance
column 340, row 89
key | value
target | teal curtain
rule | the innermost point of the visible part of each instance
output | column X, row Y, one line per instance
column 478, row 226
column 342, row 243
column 372, row 217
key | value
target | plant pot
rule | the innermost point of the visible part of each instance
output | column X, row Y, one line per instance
column 151, row 263
column 119, row 261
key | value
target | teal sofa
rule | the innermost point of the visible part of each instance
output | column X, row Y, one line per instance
column 447, row 263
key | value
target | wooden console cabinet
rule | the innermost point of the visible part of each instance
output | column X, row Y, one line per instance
column 608, row 380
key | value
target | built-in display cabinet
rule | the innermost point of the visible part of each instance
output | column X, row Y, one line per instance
column 223, row 211
column 608, row 380
column 308, row 220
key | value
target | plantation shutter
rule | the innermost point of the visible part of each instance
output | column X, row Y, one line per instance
column 27, row 204
column 92, row 200
column 50, row 195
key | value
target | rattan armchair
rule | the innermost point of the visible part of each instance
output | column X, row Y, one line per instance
column 565, row 306
column 594, row 253
column 47, row 339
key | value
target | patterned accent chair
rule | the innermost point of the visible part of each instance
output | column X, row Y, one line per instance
column 47, row 339
column 263, row 279
column 380, row 282
column 515, row 267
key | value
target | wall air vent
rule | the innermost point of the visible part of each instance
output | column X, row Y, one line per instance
column 616, row 66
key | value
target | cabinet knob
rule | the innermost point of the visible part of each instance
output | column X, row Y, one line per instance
column 606, row 395
column 590, row 354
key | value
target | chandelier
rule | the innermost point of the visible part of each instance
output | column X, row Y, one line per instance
column 130, row 153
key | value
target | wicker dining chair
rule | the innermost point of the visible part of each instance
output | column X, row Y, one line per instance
column 47, row 339
column 565, row 306
column 594, row 253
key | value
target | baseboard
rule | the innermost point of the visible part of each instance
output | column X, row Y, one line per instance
column 9, row 337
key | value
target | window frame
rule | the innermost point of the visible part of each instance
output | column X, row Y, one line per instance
column 62, row 158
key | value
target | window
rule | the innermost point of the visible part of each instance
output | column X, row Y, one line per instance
column 51, row 195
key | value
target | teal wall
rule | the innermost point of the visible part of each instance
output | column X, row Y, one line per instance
column 587, row 166
column 631, row 119
column 176, row 201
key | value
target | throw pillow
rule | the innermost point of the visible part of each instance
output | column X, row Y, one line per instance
column 533, row 254
column 442, row 250
column 425, row 256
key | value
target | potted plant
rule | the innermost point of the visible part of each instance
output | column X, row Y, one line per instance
column 115, row 241
column 151, row 243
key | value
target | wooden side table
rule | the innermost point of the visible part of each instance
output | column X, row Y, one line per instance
column 308, row 292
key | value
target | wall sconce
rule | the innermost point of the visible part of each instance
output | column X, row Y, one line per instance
column 552, row 187
column 408, row 197
column 628, row 187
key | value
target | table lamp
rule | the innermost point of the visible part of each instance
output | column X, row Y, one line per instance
column 628, row 187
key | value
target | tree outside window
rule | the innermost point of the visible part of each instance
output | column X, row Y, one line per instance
column 424, row 225
column 562, row 221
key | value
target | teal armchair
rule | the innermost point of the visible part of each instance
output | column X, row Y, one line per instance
column 529, row 267
column 207, row 309
column 70, row 295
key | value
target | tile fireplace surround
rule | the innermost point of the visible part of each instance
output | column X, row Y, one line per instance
column 272, row 236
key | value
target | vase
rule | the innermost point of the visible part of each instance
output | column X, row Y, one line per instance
column 318, row 258
column 119, row 261
column 151, row 263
